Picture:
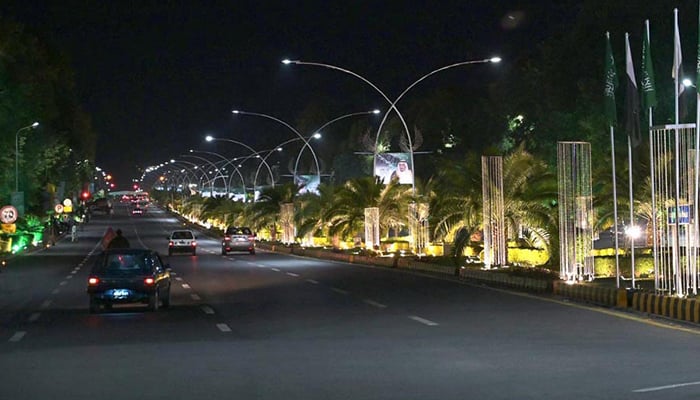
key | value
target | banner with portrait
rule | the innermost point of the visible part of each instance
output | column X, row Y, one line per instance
column 388, row 166
column 307, row 183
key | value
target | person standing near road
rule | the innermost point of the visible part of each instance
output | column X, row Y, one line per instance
column 119, row 241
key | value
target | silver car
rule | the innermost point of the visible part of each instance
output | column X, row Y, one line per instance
column 182, row 241
column 238, row 238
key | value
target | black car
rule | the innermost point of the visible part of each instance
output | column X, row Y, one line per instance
column 122, row 276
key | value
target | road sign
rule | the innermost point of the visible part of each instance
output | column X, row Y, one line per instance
column 8, row 214
column 58, row 208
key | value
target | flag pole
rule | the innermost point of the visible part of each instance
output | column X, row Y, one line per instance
column 696, row 197
column 652, row 162
column 628, row 57
column 676, row 195
column 615, row 231
column 611, row 117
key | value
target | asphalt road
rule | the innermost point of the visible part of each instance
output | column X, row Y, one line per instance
column 274, row 326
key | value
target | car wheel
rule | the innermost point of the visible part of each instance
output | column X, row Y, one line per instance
column 166, row 299
column 153, row 301
column 252, row 252
column 94, row 305
column 223, row 251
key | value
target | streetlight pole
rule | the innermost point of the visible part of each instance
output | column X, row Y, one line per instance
column 296, row 132
column 210, row 138
column 32, row 126
column 228, row 162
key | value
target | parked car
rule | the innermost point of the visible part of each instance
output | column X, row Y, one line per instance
column 122, row 276
column 238, row 238
column 182, row 241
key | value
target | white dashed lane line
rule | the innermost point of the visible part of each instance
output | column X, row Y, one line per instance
column 186, row 286
column 63, row 283
column 195, row 297
column 46, row 303
column 17, row 336
column 35, row 316
column 178, row 279
column 223, row 327
column 292, row 274
column 341, row 291
column 55, row 291
column 374, row 303
column 423, row 320
column 312, row 281
column 208, row 310
column 276, row 269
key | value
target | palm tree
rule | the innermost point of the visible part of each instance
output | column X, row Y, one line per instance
column 265, row 212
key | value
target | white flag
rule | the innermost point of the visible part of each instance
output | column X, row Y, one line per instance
column 677, row 72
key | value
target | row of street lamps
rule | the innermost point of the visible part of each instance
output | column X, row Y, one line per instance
column 306, row 139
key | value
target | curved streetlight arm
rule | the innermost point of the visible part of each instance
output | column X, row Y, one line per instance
column 216, row 168
column 227, row 163
column 391, row 104
column 194, row 170
column 212, row 139
column 33, row 125
column 308, row 144
column 296, row 132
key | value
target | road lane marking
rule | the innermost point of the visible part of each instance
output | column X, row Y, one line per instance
column 34, row 317
column 292, row 274
column 423, row 320
column 374, row 303
column 18, row 336
column 223, row 327
column 195, row 297
column 178, row 279
column 315, row 282
column 276, row 269
column 69, row 277
column 208, row 310
column 657, row 388
column 46, row 303
column 338, row 290
column 63, row 283
column 186, row 286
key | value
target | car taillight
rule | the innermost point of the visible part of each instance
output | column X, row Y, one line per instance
column 149, row 281
column 227, row 237
column 92, row 281
column 170, row 243
column 194, row 244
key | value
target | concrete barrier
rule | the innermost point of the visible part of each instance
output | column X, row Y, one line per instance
column 589, row 293
column 667, row 306
column 503, row 279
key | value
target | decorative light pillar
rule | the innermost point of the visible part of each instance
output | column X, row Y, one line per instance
column 371, row 227
column 493, row 211
column 287, row 222
column 576, row 216
column 419, row 226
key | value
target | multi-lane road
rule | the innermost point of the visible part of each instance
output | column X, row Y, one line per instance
column 274, row 326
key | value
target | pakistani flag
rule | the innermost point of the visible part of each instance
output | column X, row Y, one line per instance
column 647, row 82
column 611, row 83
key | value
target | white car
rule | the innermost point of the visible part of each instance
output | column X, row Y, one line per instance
column 182, row 241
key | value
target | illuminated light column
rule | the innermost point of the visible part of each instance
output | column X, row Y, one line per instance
column 673, row 187
column 493, row 212
column 576, row 215
column 419, row 226
column 287, row 222
column 371, row 228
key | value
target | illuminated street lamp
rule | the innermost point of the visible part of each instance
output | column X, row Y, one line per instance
column 32, row 126
column 633, row 232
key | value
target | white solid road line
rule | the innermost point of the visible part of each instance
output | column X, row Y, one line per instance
column 374, row 303
column 423, row 320
column 17, row 336
column 223, row 327
column 208, row 310
column 657, row 388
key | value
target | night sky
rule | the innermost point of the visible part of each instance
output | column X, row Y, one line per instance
column 157, row 76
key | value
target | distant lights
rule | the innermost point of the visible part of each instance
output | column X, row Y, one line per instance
column 495, row 59
column 376, row 111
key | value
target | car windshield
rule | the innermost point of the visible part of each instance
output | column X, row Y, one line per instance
column 125, row 264
column 182, row 235
column 238, row 231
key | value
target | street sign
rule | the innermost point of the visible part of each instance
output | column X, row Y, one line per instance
column 8, row 215
column 58, row 208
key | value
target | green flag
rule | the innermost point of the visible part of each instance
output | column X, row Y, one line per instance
column 647, row 82
column 611, row 83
